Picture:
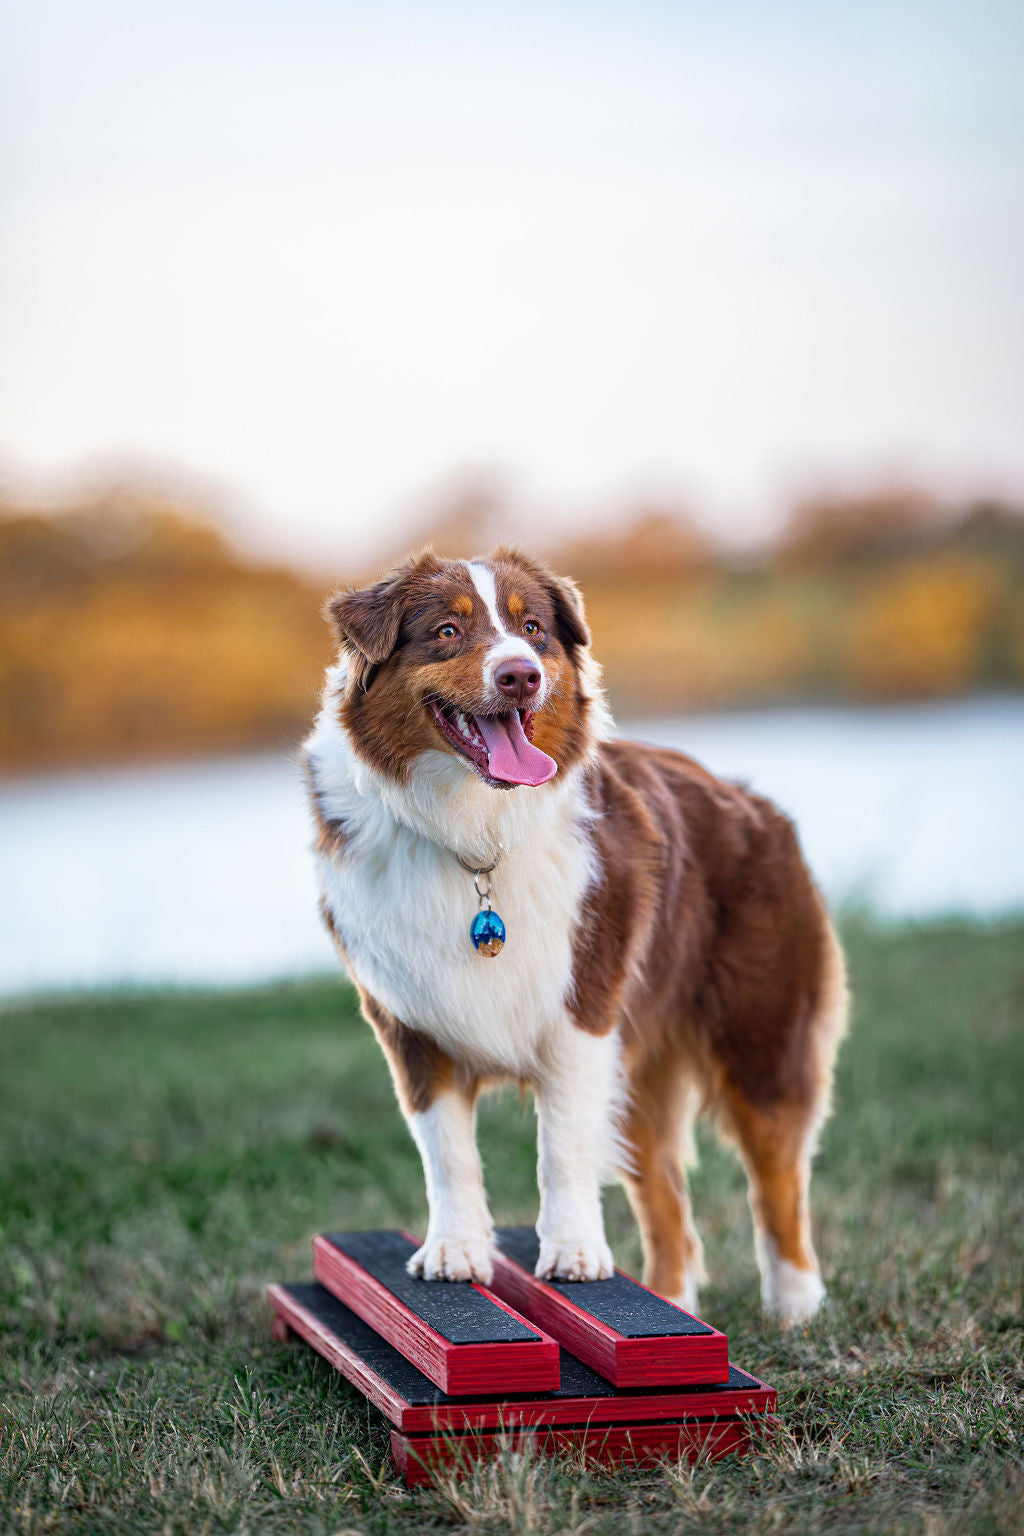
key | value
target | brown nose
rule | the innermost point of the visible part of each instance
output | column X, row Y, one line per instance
column 518, row 680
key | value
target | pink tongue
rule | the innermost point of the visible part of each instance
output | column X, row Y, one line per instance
column 511, row 757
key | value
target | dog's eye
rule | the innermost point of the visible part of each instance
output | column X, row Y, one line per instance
column 448, row 632
column 531, row 627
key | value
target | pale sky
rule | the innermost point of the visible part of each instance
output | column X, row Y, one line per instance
column 326, row 259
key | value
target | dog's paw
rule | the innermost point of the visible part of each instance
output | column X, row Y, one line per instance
column 453, row 1258
column 791, row 1296
column 574, row 1259
column 687, row 1297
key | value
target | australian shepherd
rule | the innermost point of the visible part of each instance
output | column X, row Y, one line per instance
column 519, row 895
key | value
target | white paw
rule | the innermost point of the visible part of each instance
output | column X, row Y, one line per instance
column 453, row 1258
column 687, row 1297
column 791, row 1295
column 574, row 1259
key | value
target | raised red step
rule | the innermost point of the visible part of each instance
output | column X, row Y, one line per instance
column 418, row 1458
column 462, row 1337
column 416, row 1406
column 631, row 1335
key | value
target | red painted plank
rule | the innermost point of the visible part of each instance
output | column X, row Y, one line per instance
column 337, row 1351
column 651, row 1361
column 419, row 1458
column 458, row 1369
column 412, row 1403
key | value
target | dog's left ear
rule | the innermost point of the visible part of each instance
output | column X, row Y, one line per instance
column 568, row 604
column 367, row 620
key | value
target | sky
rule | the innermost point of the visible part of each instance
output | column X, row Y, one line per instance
column 328, row 262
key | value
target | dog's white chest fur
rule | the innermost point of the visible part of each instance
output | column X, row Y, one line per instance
column 403, row 904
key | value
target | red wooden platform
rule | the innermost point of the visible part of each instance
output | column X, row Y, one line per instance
column 419, row 1458
column 415, row 1405
column 462, row 1337
column 624, row 1330
column 459, row 1371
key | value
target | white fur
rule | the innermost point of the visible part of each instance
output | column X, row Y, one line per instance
column 602, row 726
column 688, row 1297
column 460, row 1235
column 790, row 1294
column 403, row 906
column 508, row 647
column 579, row 1089
column 482, row 578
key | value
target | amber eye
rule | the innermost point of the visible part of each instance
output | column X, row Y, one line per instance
column 531, row 627
column 448, row 632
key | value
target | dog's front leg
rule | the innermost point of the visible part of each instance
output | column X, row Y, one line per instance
column 460, row 1233
column 437, row 1096
column 576, row 1100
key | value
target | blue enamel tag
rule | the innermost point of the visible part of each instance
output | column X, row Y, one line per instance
column 487, row 932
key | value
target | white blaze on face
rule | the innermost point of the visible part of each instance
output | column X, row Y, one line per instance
column 507, row 647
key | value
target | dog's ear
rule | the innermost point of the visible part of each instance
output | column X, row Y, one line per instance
column 568, row 604
column 367, row 620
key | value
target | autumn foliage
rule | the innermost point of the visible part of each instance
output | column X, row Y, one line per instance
column 847, row 606
column 130, row 627
column 130, row 630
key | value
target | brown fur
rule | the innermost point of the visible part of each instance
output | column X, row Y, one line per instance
column 330, row 832
column 332, row 928
column 656, row 1180
column 420, row 1069
column 708, row 941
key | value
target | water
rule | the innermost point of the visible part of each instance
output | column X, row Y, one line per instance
column 201, row 873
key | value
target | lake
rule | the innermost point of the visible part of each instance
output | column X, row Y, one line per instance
column 200, row 873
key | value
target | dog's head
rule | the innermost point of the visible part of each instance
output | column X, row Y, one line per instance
column 480, row 659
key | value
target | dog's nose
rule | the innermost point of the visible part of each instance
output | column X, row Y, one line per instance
column 518, row 680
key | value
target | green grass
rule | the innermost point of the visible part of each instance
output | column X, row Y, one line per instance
column 165, row 1156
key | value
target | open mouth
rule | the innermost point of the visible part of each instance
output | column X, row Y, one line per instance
column 500, row 747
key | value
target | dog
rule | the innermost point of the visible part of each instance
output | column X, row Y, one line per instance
column 665, row 948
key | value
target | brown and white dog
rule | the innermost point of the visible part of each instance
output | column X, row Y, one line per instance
column 667, row 950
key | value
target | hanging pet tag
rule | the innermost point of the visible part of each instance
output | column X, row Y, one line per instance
column 487, row 932
column 487, row 929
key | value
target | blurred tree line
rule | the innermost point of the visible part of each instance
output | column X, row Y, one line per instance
column 880, row 598
column 130, row 627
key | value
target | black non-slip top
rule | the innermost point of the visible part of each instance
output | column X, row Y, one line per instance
column 459, row 1313
column 620, row 1302
column 578, row 1380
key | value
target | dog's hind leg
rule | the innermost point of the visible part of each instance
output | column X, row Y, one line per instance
column 776, row 1144
column 777, row 1135
column 659, row 1136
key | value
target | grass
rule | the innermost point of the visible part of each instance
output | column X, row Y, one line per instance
column 165, row 1156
